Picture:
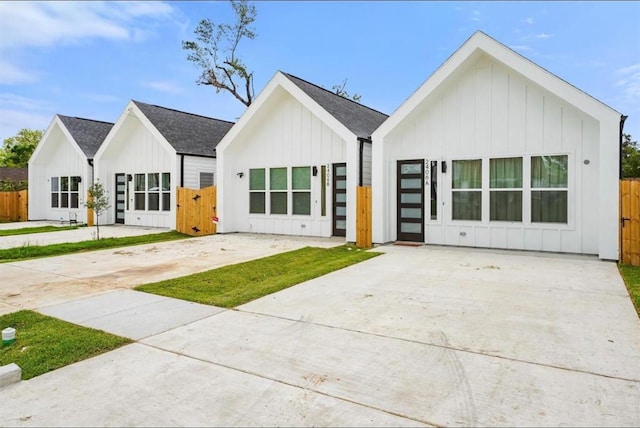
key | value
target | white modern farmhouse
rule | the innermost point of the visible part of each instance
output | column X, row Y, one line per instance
column 495, row 151
column 292, row 162
column 148, row 153
column 61, row 168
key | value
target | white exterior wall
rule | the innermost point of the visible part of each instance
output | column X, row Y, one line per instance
column 486, row 110
column 58, row 157
column 135, row 149
column 283, row 133
column 193, row 166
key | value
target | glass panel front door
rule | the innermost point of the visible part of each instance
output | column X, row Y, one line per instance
column 339, row 199
column 121, row 185
column 410, row 200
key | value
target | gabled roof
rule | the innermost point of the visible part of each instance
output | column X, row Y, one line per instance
column 188, row 133
column 87, row 133
column 359, row 119
column 480, row 42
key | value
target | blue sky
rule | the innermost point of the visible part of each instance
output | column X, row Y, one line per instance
column 87, row 59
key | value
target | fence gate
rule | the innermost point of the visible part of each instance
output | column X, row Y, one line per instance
column 630, row 222
column 13, row 206
column 363, row 217
column 197, row 213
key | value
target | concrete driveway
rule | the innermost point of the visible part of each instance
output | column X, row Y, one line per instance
column 417, row 336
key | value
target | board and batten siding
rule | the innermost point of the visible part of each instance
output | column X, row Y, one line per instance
column 134, row 149
column 193, row 166
column 57, row 158
column 283, row 133
column 487, row 110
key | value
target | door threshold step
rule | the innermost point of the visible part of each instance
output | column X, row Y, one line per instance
column 409, row 243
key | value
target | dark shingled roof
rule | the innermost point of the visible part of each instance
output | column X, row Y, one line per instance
column 359, row 119
column 88, row 133
column 188, row 133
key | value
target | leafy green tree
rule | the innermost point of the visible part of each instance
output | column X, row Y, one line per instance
column 17, row 150
column 630, row 157
column 98, row 202
column 214, row 52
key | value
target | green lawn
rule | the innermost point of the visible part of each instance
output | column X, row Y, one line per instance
column 35, row 251
column 631, row 276
column 38, row 229
column 233, row 285
column 44, row 343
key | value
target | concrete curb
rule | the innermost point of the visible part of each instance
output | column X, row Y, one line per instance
column 9, row 374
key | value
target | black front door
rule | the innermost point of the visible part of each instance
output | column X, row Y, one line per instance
column 339, row 199
column 121, row 186
column 411, row 201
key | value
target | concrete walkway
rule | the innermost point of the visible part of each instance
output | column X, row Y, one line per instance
column 417, row 336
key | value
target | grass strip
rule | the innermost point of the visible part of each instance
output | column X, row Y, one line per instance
column 44, row 343
column 35, row 251
column 233, row 285
column 38, row 229
column 631, row 276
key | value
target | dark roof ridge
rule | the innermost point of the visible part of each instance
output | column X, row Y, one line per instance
column 84, row 118
column 183, row 112
column 333, row 93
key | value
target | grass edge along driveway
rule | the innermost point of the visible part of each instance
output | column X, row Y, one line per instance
column 233, row 285
column 631, row 277
column 26, row 252
column 44, row 343
column 37, row 229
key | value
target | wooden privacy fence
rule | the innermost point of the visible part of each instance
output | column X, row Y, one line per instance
column 363, row 217
column 197, row 212
column 630, row 221
column 13, row 206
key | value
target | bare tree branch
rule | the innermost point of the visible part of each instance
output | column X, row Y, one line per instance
column 214, row 51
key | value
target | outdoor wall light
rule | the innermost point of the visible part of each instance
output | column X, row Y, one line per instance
column 240, row 174
column 443, row 166
column 129, row 177
column 79, row 179
column 315, row 171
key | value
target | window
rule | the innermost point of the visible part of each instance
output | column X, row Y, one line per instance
column 467, row 190
column 301, row 185
column 65, row 192
column 166, row 191
column 505, row 197
column 434, row 189
column 278, row 187
column 55, row 196
column 549, row 189
column 206, row 179
column 257, row 191
column 139, row 192
column 153, row 195
column 150, row 194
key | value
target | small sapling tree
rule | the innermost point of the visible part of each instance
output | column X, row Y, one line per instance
column 98, row 202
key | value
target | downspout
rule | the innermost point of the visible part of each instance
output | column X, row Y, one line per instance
column 362, row 140
column 93, row 177
column 181, row 170
column 623, row 118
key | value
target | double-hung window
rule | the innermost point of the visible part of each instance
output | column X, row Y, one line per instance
column 166, row 191
column 140, row 185
column 151, row 194
column 301, row 184
column 467, row 190
column 278, row 190
column 549, row 189
column 505, row 182
column 257, row 191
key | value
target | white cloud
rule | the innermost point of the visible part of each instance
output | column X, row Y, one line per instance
column 11, row 74
column 520, row 47
column 529, row 20
column 628, row 80
column 164, row 86
column 475, row 15
column 543, row 36
column 19, row 112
